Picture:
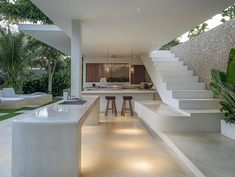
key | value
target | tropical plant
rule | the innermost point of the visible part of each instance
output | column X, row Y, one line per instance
column 223, row 85
column 231, row 67
column 170, row 44
column 60, row 82
column 49, row 59
column 228, row 13
column 197, row 30
column 14, row 57
column 14, row 11
column 24, row 10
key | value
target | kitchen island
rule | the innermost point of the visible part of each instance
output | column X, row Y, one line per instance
column 137, row 94
column 47, row 141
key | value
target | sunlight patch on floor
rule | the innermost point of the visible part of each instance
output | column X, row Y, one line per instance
column 121, row 147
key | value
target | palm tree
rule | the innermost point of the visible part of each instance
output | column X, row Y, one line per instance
column 48, row 58
column 14, row 57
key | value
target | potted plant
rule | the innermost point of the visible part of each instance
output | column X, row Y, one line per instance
column 66, row 93
column 223, row 85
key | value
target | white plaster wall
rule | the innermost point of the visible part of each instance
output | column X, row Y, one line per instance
column 207, row 51
column 135, row 61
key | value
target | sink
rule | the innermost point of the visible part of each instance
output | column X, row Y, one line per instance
column 73, row 102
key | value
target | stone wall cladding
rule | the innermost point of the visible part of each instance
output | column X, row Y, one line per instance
column 207, row 51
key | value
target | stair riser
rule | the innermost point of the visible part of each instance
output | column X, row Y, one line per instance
column 161, row 64
column 176, row 74
column 181, row 79
column 189, row 104
column 165, row 59
column 161, row 52
column 186, row 86
column 208, row 115
column 192, row 95
column 172, row 68
column 163, row 55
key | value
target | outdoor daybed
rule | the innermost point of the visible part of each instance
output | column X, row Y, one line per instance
column 29, row 99
column 11, row 103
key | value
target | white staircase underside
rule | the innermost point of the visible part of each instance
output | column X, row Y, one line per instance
column 181, row 90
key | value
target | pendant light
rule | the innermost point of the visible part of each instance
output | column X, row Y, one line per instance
column 132, row 67
column 107, row 69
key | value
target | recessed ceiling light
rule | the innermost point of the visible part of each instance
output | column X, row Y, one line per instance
column 138, row 8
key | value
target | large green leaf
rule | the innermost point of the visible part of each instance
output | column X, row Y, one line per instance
column 231, row 67
column 226, row 90
column 218, row 76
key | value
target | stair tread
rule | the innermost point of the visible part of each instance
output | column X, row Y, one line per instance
column 161, row 108
column 201, row 99
column 191, row 90
column 173, row 77
column 203, row 111
column 184, row 82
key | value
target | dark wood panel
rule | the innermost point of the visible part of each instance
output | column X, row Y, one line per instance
column 89, row 72
column 140, row 75
column 95, row 71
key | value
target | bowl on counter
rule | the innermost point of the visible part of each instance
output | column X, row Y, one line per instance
column 146, row 85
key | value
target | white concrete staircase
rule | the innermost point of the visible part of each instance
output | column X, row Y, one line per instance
column 179, row 88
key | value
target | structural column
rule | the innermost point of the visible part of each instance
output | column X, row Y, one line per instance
column 76, row 59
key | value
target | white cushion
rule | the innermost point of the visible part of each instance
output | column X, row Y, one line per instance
column 9, row 92
column 39, row 93
column 29, row 96
column 4, row 99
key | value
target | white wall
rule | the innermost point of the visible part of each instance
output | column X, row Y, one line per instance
column 135, row 61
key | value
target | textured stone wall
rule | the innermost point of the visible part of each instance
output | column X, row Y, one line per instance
column 207, row 51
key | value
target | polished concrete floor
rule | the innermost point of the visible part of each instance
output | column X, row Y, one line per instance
column 118, row 147
column 212, row 153
column 121, row 147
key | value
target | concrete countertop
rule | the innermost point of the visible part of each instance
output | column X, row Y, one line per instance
column 55, row 113
column 118, row 91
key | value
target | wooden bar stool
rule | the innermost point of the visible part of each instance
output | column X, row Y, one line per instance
column 113, row 105
column 124, row 108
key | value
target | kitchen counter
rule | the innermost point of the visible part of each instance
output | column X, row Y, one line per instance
column 137, row 94
column 105, row 90
column 47, row 141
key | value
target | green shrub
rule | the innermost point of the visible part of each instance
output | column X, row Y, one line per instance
column 117, row 79
column 35, row 85
column 60, row 82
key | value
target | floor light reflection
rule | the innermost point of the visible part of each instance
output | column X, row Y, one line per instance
column 141, row 165
column 128, row 131
column 128, row 145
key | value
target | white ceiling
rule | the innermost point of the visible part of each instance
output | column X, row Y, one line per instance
column 122, row 24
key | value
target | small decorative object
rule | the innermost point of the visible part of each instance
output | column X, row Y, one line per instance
column 66, row 93
column 146, row 86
